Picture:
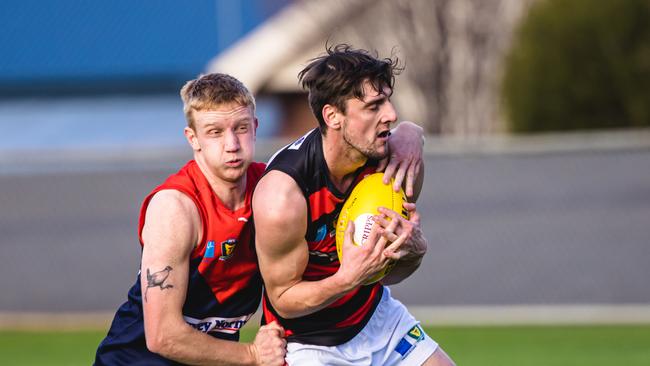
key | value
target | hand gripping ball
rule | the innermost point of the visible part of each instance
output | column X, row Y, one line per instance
column 361, row 206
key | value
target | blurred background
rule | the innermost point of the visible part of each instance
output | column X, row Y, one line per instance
column 537, row 195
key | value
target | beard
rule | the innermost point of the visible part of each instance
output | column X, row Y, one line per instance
column 368, row 150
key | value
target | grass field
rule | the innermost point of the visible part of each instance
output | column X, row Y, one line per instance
column 484, row 346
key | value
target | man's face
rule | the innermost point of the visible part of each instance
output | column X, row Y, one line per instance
column 224, row 140
column 367, row 122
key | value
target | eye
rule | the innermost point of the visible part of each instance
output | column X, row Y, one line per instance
column 374, row 107
column 242, row 128
column 215, row 132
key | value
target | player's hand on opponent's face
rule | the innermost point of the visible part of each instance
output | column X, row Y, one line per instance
column 360, row 263
column 407, row 243
column 269, row 345
column 405, row 159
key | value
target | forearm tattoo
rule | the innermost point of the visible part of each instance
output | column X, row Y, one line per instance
column 157, row 279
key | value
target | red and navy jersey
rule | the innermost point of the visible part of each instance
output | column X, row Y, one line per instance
column 304, row 161
column 224, row 284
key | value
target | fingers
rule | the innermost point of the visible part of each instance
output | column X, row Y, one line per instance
column 390, row 169
column 370, row 243
column 348, row 236
column 414, row 215
column 269, row 345
column 275, row 327
column 393, row 251
column 401, row 173
column 389, row 227
column 398, row 230
column 418, row 167
column 410, row 179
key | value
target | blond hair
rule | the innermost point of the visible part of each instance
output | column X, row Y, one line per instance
column 211, row 91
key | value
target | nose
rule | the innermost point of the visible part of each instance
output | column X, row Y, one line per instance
column 231, row 141
column 390, row 114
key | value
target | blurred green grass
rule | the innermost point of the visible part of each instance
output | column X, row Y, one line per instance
column 485, row 346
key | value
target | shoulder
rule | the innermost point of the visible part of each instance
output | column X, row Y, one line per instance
column 299, row 160
column 295, row 152
column 172, row 210
column 278, row 197
column 172, row 200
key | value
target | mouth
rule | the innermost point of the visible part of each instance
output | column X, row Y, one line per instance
column 234, row 162
column 384, row 134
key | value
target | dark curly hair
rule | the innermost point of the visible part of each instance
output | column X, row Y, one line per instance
column 339, row 75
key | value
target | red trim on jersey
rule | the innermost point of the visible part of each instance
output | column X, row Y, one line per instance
column 359, row 315
column 322, row 202
column 346, row 297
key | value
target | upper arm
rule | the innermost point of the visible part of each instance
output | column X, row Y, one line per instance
column 280, row 211
column 170, row 233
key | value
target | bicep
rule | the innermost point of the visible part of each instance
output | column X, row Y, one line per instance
column 169, row 235
column 280, row 213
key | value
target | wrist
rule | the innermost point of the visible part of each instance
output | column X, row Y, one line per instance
column 341, row 283
column 253, row 357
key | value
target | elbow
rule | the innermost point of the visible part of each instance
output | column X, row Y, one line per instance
column 155, row 343
column 289, row 314
column 160, row 342
column 288, row 310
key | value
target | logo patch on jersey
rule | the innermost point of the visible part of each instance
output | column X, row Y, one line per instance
column 227, row 248
column 296, row 144
column 407, row 344
column 209, row 250
column 321, row 233
column 416, row 333
column 404, row 347
column 216, row 324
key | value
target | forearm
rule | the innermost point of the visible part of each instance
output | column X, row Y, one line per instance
column 184, row 344
column 307, row 297
column 401, row 271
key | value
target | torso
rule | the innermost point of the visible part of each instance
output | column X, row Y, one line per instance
column 224, row 285
column 303, row 160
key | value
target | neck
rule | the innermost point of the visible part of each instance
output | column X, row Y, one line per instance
column 231, row 194
column 342, row 160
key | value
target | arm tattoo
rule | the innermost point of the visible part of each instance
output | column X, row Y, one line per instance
column 157, row 279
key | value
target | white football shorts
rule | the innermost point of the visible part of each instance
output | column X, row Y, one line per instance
column 391, row 337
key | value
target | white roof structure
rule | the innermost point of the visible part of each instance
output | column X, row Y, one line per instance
column 271, row 56
column 453, row 52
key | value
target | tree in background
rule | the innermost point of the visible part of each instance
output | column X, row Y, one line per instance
column 580, row 64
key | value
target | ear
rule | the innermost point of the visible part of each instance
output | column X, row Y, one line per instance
column 190, row 135
column 255, row 125
column 332, row 117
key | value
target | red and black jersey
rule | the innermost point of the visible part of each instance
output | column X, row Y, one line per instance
column 224, row 284
column 304, row 161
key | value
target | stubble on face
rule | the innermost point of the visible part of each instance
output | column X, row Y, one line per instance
column 366, row 149
column 359, row 114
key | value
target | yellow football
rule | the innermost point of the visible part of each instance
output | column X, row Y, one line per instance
column 360, row 207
